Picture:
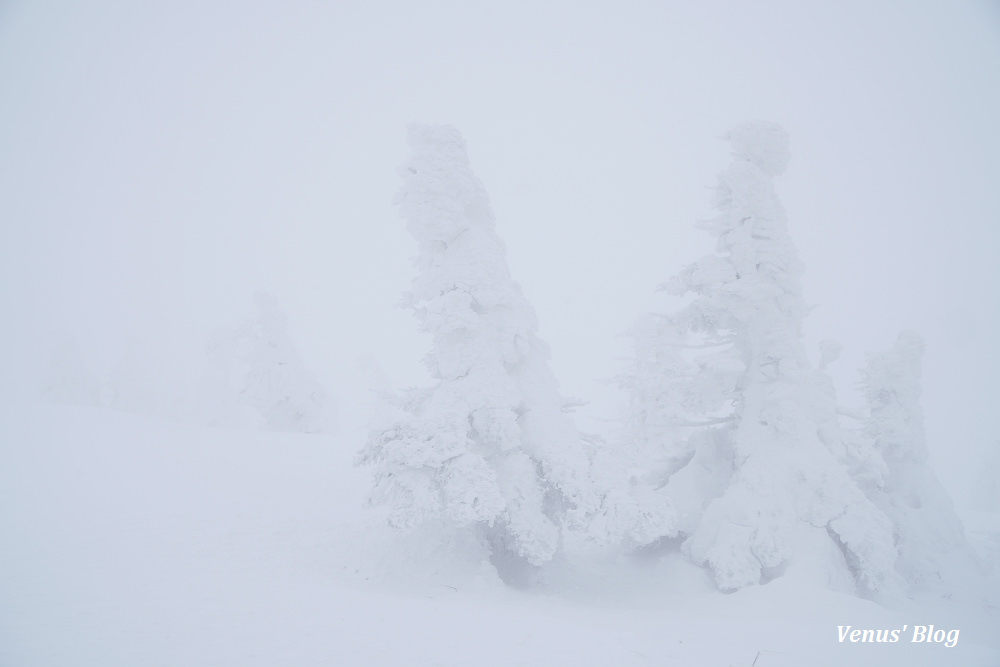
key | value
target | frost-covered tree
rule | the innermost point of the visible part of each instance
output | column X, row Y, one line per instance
column 724, row 389
column 985, row 491
column 658, row 403
column 928, row 533
column 255, row 377
column 140, row 385
column 66, row 378
column 488, row 448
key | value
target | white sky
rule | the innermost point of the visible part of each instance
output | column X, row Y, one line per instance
column 161, row 161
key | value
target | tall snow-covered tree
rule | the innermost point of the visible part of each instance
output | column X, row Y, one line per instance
column 488, row 448
column 929, row 536
column 752, row 471
column 256, row 378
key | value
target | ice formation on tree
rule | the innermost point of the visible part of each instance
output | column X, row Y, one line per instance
column 256, row 378
column 727, row 406
column 927, row 532
column 489, row 446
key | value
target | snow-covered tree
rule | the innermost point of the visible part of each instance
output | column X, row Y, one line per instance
column 488, row 448
column 985, row 491
column 928, row 533
column 256, row 378
column 658, row 402
column 66, row 378
column 140, row 385
column 750, row 461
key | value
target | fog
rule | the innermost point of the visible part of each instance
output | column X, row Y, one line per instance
column 158, row 164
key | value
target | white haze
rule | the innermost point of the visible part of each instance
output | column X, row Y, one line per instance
column 158, row 164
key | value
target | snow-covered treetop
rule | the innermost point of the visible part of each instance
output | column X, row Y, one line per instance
column 464, row 282
column 441, row 197
column 269, row 313
column 763, row 143
column 910, row 346
column 755, row 275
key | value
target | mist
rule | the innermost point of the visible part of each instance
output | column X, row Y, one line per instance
column 160, row 164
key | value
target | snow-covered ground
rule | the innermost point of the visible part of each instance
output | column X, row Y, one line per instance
column 130, row 541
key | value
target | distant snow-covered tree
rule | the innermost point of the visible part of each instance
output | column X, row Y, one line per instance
column 256, row 378
column 488, row 447
column 66, row 378
column 985, row 491
column 724, row 387
column 659, row 402
column 928, row 533
column 141, row 384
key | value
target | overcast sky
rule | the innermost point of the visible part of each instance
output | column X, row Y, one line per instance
column 161, row 161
